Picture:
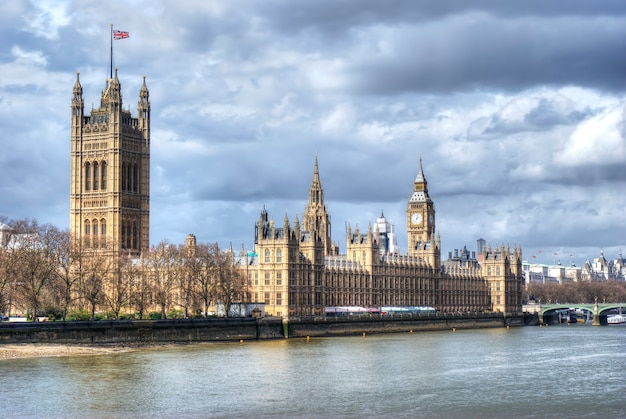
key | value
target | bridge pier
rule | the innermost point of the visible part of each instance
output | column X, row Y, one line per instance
column 596, row 315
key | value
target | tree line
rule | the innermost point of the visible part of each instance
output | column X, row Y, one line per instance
column 578, row 292
column 43, row 272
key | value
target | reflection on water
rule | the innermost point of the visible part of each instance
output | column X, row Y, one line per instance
column 526, row 372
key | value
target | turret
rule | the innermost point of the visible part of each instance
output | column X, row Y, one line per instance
column 190, row 245
column 296, row 228
column 143, row 110
column 78, row 104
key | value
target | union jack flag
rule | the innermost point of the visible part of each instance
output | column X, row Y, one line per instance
column 120, row 34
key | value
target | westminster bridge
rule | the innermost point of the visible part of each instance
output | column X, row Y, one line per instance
column 559, row 312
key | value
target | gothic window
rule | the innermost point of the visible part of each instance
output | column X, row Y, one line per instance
column 95, row 176
column 129, row 236
column 279, row 255
column 267, row 278
column 279, row 279
column 88, row 176
column 95, row 233
column 123, row 173
column 267, row 256
column 103, row 177
column 279, row 298
column 129, row 178
column 497, row 270
column 489, row 270
column 103, row 227
column 267, row 298
column 123, row 231
column 135, row 177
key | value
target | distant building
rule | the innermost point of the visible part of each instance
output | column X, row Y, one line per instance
column 600, row 269
column 296, row 271
column 387, row 240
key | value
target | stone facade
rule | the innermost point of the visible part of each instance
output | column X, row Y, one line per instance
column 296, row 271
column 110, row 171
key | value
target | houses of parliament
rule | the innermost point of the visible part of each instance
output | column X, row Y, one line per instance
column 295, row 268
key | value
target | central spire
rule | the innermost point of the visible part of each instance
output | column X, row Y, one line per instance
column 316, row 219
column 316, row 193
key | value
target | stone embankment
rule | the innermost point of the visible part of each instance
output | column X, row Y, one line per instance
column 128, row 333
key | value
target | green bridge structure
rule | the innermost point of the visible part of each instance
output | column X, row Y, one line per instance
column 598, row 310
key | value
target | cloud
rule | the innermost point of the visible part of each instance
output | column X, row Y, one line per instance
column 517, row 109
column 598, row 140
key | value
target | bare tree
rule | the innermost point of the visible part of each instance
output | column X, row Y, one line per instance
column 7, row 268
column 229, row 281
column 118, row 284
column 35, row 265
column 161, row 270
column 139, row 278
column 188, row 264
column 203, row 272
column 578, row 292
column 64, row 281
column 93, row 269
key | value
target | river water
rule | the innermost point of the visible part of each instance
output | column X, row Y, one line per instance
column 528, row 372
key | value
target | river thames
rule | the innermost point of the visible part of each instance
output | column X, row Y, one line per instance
column 528, row 372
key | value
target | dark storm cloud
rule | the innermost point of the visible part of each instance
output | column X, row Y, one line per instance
column 535, row 115
column 478, row 52
column 598, row 175
column 547, row 115
column 334, row 17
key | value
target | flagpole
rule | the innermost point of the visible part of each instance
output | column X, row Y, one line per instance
column 111, row 67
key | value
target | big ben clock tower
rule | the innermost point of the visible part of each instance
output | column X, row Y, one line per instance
column 420, row 221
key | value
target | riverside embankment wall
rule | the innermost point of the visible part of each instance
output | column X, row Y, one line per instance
column 216, row 330
column 342, row 326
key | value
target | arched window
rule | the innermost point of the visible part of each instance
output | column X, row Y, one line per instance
column 279, row 255
column 87, row 232
column 123, row 176
column 103, row 177
column 128, row 237
column 95, row 233
column 267, row 256
column 95, row 176
column 135, row 177
column 103, row 227
column 129, row 177
column 135, row 236
column 123, row 230
column 88, row 176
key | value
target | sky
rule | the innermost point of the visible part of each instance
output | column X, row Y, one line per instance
column 517, row 109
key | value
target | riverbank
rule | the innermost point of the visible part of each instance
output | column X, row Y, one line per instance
column 133, row 333
column 36, row 350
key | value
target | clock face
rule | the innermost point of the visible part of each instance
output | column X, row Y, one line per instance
column 416, row 218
